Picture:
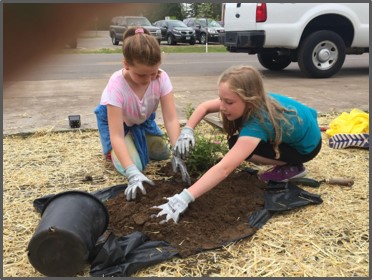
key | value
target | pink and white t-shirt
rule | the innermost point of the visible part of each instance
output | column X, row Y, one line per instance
column 135, row 111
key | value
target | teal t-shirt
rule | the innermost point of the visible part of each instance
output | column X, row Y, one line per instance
column 302, row 133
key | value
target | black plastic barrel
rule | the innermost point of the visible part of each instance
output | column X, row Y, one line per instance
column 70, row 226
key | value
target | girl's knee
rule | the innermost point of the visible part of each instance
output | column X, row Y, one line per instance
column 158, row 148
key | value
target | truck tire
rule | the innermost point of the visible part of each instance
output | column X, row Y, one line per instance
column 321, row 54
column 272, row 61
column 114, row 40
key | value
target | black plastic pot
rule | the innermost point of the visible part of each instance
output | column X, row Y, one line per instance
column 69, row 228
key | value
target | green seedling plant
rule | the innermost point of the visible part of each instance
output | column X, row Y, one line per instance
column 208, row 151
column 209, row 148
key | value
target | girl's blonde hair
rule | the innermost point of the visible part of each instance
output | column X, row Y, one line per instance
column 247, row 83
column 139, row 46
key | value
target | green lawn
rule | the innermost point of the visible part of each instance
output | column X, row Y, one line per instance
column 164, row 48
column 193, row 49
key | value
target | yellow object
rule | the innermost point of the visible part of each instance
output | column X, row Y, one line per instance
column 355, row 122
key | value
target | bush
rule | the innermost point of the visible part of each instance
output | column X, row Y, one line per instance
column 209, row 148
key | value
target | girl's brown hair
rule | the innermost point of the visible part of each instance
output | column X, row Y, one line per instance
column 139, row 46
column 247, row 83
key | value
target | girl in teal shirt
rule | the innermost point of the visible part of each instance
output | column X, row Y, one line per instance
column 261, row 127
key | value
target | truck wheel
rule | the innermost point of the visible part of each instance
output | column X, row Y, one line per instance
column 203, row 38
column 273, row 61
column 114, row 41
column 321, row 54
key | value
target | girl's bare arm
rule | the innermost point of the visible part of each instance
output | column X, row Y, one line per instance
column 116, row 127
column 171, row 122
column 205, row 108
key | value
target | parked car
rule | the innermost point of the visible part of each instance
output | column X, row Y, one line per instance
column 205, row 29
column 175, row 31
column 120, row 24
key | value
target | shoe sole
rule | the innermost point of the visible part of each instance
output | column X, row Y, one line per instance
column 343, row 140
column 299, row 175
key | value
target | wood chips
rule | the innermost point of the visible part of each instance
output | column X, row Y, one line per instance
column 326, row 240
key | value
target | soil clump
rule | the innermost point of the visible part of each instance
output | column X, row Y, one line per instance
column 215, row 219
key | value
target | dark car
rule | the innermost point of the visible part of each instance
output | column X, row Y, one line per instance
column 120, row 24
column 175, row 31
column 205, row 29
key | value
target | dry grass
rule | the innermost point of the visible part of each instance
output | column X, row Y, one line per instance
column 327, row 240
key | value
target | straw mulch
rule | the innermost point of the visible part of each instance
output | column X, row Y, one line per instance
column 326, row 240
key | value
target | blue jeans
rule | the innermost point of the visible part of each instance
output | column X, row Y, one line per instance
column 144, row 142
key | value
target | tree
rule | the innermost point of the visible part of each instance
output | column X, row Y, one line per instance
column 209, row 10
column 161, row 10
column 187, row 10
column 193, row 9
column 205, row 10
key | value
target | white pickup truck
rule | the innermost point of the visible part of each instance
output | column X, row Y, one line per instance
column 316, row 35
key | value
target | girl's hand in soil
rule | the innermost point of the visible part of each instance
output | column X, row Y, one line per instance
column 135, row 181
column 175, row 206
column 184, row 142
column 177, row 163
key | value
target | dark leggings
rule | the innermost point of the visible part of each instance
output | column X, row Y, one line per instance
column 287, row 153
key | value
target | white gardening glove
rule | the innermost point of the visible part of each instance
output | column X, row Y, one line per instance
column 175, row 206
column 177, row 163
column 184, row 142
column 135, row 181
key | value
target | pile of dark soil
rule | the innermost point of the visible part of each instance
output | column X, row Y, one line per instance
column 213, row 220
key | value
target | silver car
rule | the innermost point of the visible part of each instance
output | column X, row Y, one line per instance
column 120, row 24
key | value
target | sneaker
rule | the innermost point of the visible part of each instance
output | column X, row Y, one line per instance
column 283, row 173
column 344, row 140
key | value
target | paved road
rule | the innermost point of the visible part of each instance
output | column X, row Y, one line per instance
column 72, row 84
column 95, row 66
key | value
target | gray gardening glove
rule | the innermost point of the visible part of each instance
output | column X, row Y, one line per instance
column 177, row 163
column 175, row 206
column 184, row 142
column 135, row 181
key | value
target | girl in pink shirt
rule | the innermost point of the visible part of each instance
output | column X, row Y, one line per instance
column 126, row 114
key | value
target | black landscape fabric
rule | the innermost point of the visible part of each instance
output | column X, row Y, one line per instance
column 123, row 256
